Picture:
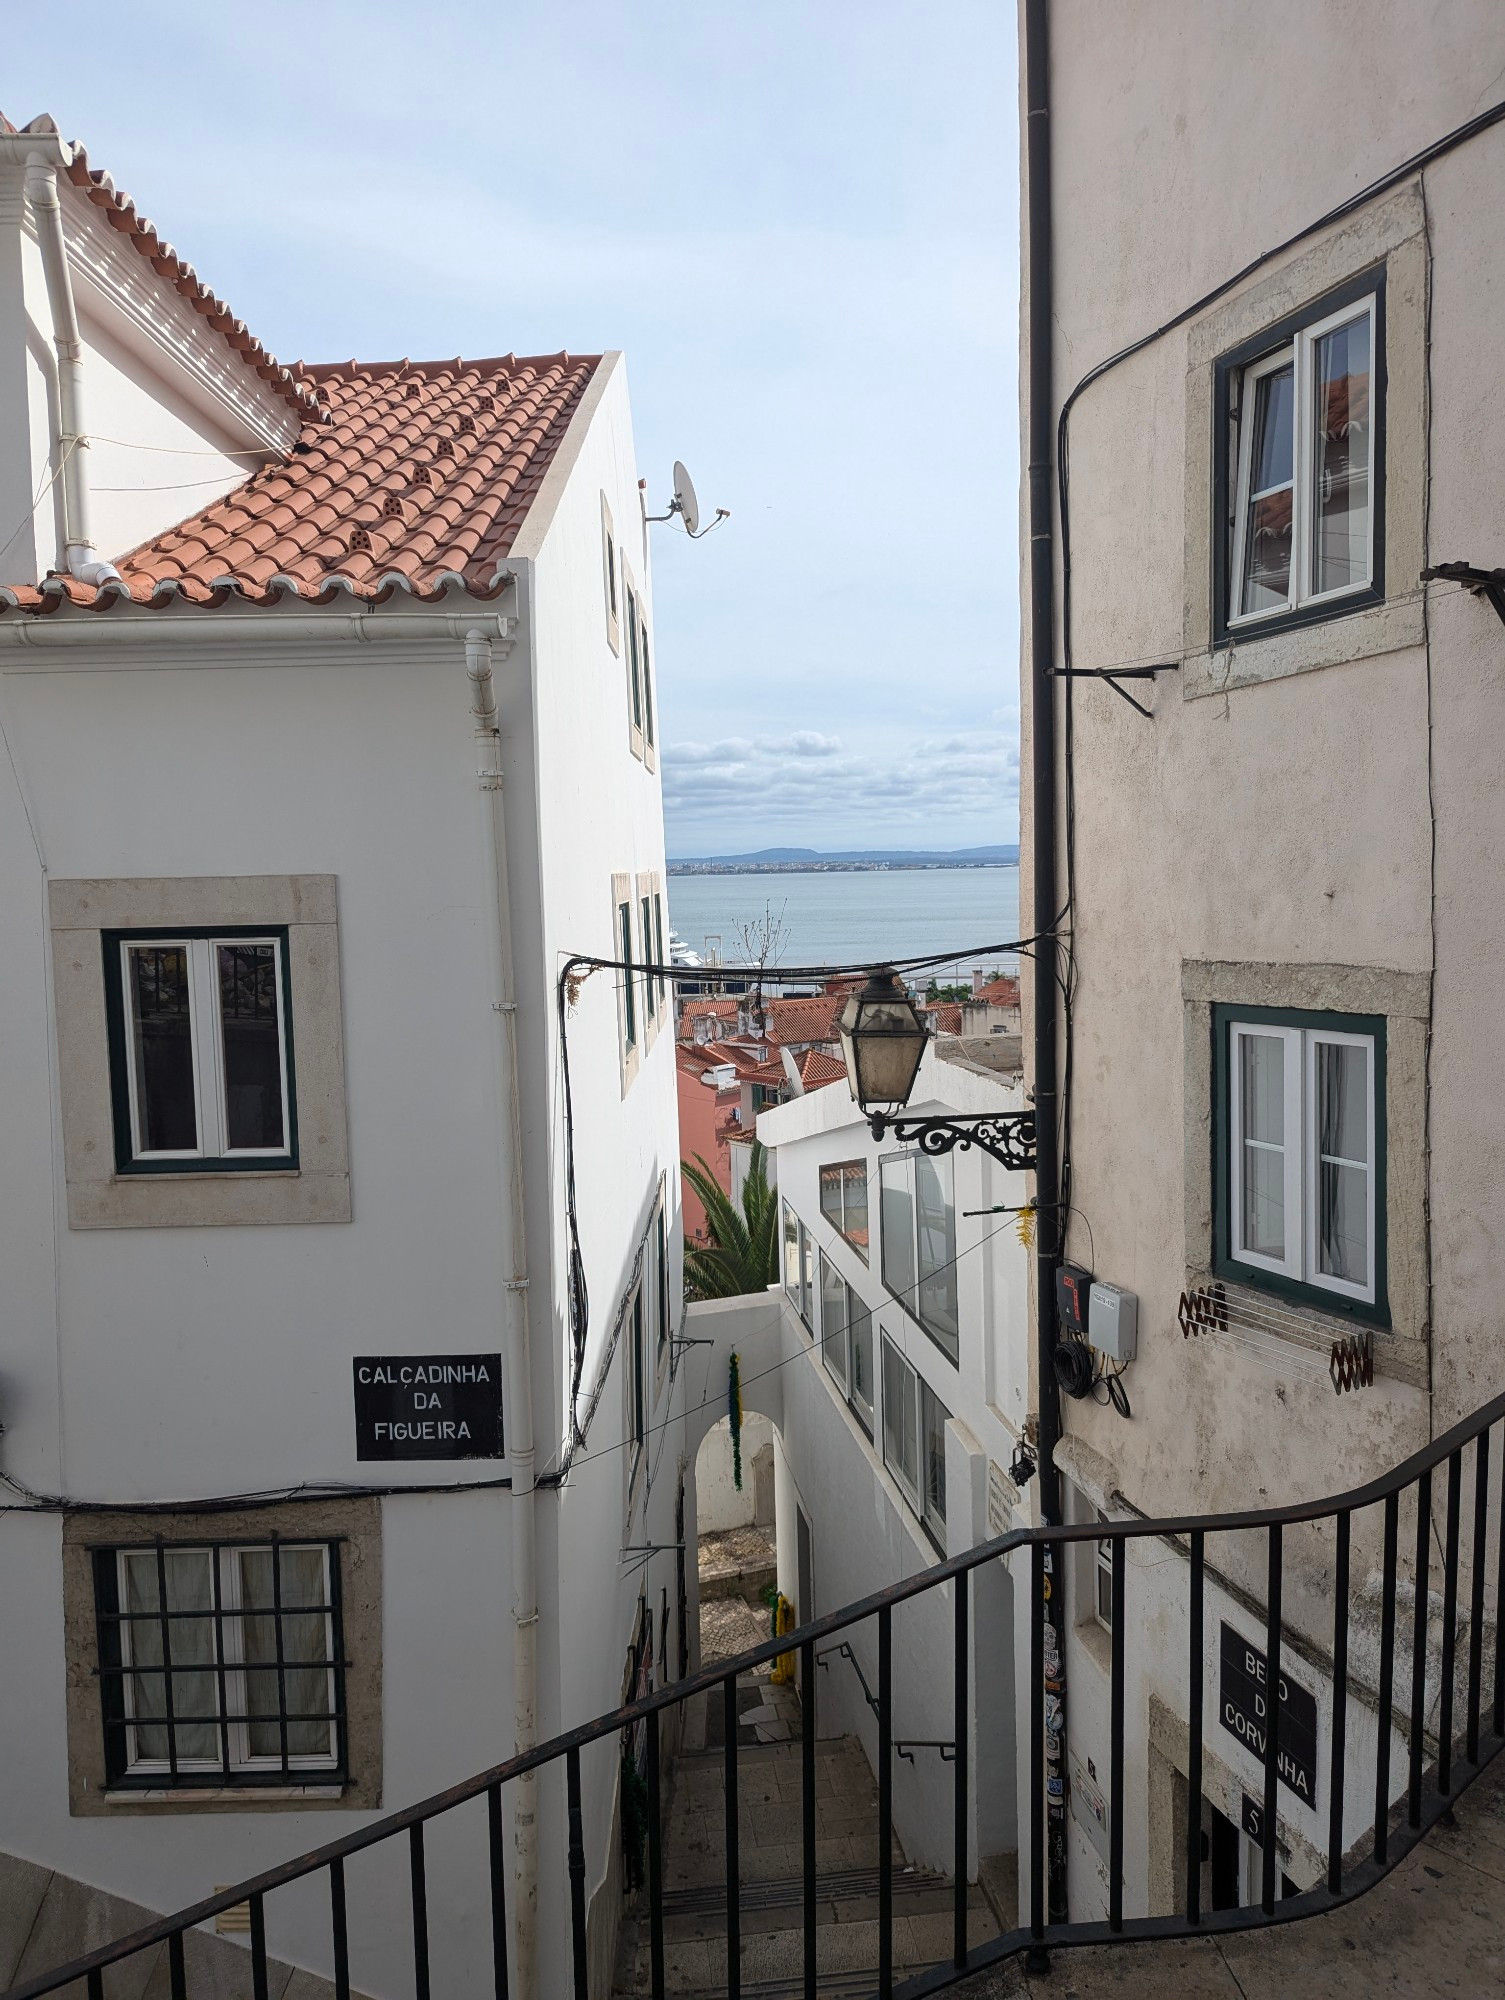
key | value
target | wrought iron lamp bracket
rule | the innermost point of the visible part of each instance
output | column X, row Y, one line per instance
column 1007, row 1136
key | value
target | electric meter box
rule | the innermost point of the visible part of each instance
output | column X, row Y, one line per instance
column 1072, row 1287
column 1113, row 1320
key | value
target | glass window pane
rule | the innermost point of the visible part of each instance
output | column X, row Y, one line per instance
column 1341, row 460
column 791, row 1254
column 1264, row 1201
column 1262, row 1069
column 897, row 1209
column 305, row 1650
column 898, row 1386
column 937, row 1251
column 162, row 1047
column 854, row 1198
column 253, row 1046
column 649, row 993
column 190, row 1588
column 1343, row 1101
column 860, row 1348
column 934, row 1415
column 647, row 687
column 830, row 1195
column 807, row 1277
column 833, row 1319
column 629, row 988
column 1266, row 581
column 1343, row 1223
column 632, row 659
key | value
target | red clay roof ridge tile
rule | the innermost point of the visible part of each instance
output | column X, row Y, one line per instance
column 122, row 214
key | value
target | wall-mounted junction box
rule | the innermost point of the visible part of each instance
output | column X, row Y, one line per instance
column 1113, row 1320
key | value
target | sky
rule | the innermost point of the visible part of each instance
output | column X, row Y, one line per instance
column 800, row 222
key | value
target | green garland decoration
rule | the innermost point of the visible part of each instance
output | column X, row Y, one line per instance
column 734, row 1414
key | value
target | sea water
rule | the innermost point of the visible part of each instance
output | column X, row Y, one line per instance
column 856, row 916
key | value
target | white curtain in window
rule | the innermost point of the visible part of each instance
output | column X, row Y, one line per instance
column 305, row 1651
column 190, row 1642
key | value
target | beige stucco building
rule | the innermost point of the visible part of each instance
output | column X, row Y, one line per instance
column 1283, row 885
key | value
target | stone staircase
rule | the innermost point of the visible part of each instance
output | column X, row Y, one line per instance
column 770, row 1859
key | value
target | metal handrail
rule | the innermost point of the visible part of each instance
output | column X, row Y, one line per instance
column 906, row 1747
column 1345, row 1879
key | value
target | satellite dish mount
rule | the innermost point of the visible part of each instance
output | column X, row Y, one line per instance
column 687, row 506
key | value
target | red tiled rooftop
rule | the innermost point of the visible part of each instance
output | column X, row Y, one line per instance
column 121, row 213
column 807, row 1020
column 424, row 472
column 817, row 1069
column 1000, row 992
column 947, row 1016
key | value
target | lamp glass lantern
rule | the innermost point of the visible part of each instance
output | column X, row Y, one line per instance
column 882, row 1040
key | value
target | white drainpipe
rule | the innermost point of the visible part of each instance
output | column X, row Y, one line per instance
column 519, row 1405
column 79, row 557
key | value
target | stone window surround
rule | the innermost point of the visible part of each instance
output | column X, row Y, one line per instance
column 1391, row 233
column 1403, row 999
column 357, row 1525
column 318, row 1188
column 611, row 578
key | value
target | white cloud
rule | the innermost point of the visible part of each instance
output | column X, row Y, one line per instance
column 943, row 790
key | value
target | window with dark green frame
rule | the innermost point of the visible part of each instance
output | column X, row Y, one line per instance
column 201, row 1050
column 1299, row 1156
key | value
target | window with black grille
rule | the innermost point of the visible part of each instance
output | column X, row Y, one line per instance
column 220, row 1663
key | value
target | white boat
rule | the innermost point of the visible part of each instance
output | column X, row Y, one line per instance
column 680, row 953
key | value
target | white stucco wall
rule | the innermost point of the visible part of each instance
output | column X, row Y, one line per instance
column 180, row 1363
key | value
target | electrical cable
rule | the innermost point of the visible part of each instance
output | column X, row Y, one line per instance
column 1460, row 135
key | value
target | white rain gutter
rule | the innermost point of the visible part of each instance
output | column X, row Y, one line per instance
column 79, row 556
column 522, row 1503
column 105, row 629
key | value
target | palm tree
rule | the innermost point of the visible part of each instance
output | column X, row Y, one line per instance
column 742, row 1255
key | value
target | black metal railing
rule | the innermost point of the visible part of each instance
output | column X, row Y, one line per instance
column 1397, row 1823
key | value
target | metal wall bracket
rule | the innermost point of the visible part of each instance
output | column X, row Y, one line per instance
column 1488, row 583
column 1005, row 1136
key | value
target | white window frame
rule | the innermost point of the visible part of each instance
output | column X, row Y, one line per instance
column 1315, row 1039
column 227, row 1558
column 1299, row 353
column 1301, row 1176
column 834, row 1341
column 206, row 1040
column 1288, row 1266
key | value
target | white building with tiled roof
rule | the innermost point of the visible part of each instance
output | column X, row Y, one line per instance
column 335, row 1394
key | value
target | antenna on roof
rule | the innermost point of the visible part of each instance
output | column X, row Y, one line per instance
column 686, row 506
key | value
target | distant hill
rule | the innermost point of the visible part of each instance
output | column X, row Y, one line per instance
column 796, row 859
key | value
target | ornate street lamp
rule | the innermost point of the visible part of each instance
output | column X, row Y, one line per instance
column 883, row 1040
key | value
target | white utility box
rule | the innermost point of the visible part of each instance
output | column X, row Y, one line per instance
column 1113, row 1321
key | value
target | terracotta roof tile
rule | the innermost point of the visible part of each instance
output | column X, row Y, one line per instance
column 812, row 1019
column 318, row 521
column 817, row 1069
column 1000, row 992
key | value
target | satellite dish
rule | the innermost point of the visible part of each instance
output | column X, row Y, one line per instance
column 685, row 503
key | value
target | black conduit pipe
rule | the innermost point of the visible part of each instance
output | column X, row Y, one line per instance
column 1041, row 419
